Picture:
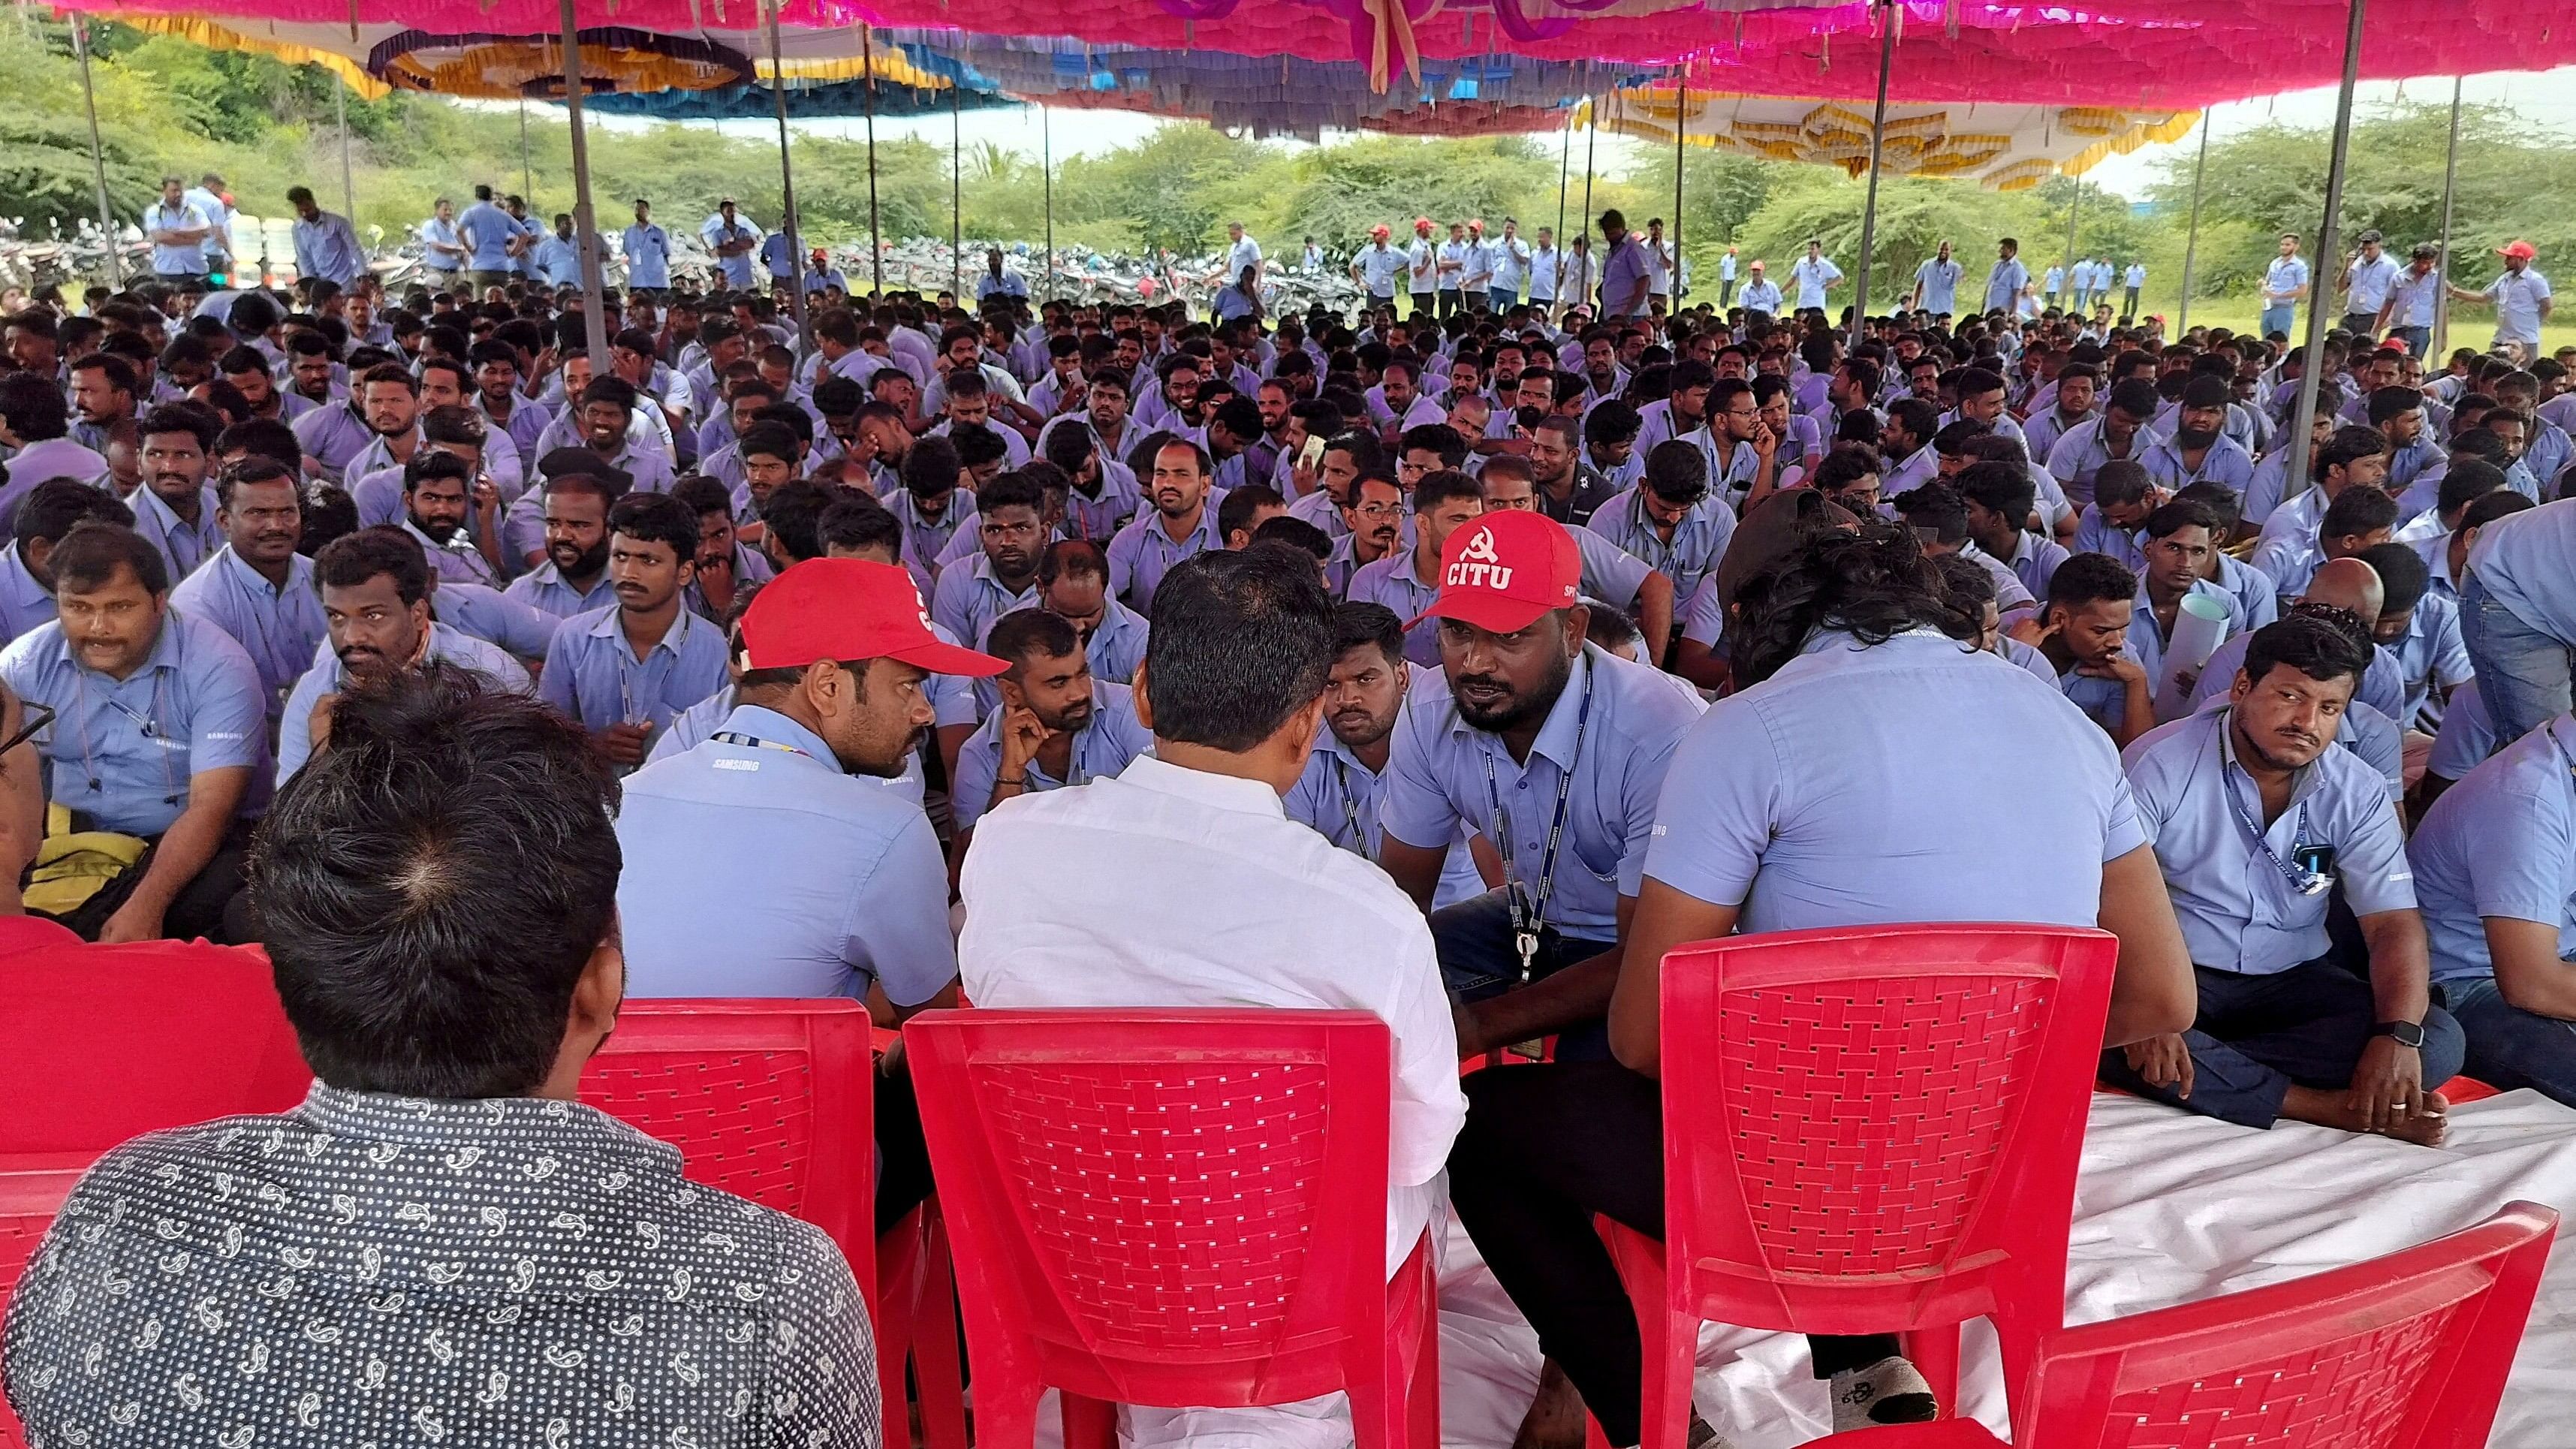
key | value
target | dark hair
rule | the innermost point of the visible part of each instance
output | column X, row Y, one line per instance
column 2313, row 646
column 88, row 556
column 2087, row 578
column 254, row 470
column 1296, row 533
column 1936, row 508
column 1964, row 582
column 2503, row 503
column 1844, row 465
column 1242, row 503
column 703, row 495
column 1677, row 472
column 57, row 505
column 1240, row 642
column 2170, row 518
column 429, row 463
column 1443, row 485
column 2121, row 480
column 793, row 515
column 1025, row 634
column 1074, row 557
column 930, row 467
column 1357, row 625
column 657, row 518
column 1874, row 583
column 2350, row 442
column 858, row 521
column 2403, row 575
column 2135, row 396
column 187, row 418
column 431, row 886
column 2467, row 481
column 1012, row 490
column 2226, row 509
column 2003, row 488
column 33, row 407
column 2358, row 512
column 352, row 559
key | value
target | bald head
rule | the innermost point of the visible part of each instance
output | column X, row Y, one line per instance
column 2347, row 583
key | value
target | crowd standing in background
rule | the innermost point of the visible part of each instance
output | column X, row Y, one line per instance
column 1484, row 644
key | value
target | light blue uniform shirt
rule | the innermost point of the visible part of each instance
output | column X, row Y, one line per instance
column 328, row 247
column 122, row 751
column 736, row 269
column 432, row 259
column 2225, row 461
column 766, row 870
column 181, row 544
column 969, row 597
column 2467, row 737
column 555, row 261
column 183, row 259
column 1144, row 551
column 2431, row 653
column 1102, row 748
column 2148, row 647
column 2283, row 276
column 2239, row 913
column 1436, row 778
column 2096, row 534
column 487, row 231
column 495, row 618
column 544, row 589
column 2501, row 842
column 333, row 436
column 2253, row 590
column 1940, row 281
column 325, row 674
column 2080, row 452
column 593, row 675
column 1117, row 644
column 1379, row 267
column 648, row 256
column 2004, row 284
column 277, row 625
column 1729, row 481
column 1119, row 500
column 1914, row 780
column 1339, row 797
column 1698, row 541
column 25, row 605
column 1391, row 581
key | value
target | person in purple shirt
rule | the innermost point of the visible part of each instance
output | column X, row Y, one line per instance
column 257, row 588
column 1407, row 581
column 625, row 670
column 1626, row 272
column 1804, row 801
column 1182, row 524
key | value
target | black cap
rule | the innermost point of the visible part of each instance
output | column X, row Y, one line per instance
column 582, row 460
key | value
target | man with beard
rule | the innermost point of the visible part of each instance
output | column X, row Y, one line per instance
column 452, row 430
column 257, row 588
column 1551, row 747
column 335, row 433
column 387, row 398
column 161, row 735
column 778, row 858
column 1183, row 524
column 175, row 508
column 1408, row 583
column 2072, row 406
column 1345, row 779
column 1057, row 726
column 102, row 396
column 1073, row 585
column 247, row 368
column 727, row 568
column 574, row 577
column 607, row 414
column 376, row 611
column 1337, row 472
column 1103, row 495
column 1611, row 575
column 931, row 505
column 2199, row 450
column 496, row 396
column 442, row 513
column 624, row 670
column 1010, row 516
column 2120, row 434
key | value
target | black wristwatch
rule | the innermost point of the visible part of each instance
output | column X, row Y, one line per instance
column 2407, row 1033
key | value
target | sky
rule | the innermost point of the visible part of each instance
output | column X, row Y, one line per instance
column 2548, row 98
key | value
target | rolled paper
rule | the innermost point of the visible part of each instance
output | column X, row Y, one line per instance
column 2200, row 626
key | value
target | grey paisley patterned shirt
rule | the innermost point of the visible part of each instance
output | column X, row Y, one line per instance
column 369, row 1271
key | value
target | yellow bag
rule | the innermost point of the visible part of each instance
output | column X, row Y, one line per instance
column 72, row 865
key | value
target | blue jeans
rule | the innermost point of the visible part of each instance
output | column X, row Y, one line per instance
column 2258, row 1036
column 1502, row 299
column 2279, row 319
column 2523, row 673
column 2417, row 339
column 2510, row 1047
column 1477, row 961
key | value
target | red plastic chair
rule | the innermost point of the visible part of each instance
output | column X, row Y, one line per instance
column 772, row 1100
column 1175, row 1208
column 32, row 1190
column 109, row 1042
column 2406, row 1351
column 1867, row 1131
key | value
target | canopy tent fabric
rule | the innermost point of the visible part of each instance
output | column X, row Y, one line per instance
column 2136, row 54
column 810, row 100
column 1274, row 95
column 2001, row 147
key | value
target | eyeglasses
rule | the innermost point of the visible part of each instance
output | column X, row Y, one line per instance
column 40, row 718
column 1378, row 510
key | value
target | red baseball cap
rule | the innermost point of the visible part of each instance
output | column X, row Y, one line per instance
column 2520, row 251
column 849, row 609
column 1504, row 570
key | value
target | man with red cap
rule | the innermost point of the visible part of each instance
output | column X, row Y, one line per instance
column 2521, row 297
column 777, row 858
column 1422, row 265
column 1554, row 749
column 1376, row 268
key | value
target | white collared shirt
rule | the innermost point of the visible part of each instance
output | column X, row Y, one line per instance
column 1083, row 897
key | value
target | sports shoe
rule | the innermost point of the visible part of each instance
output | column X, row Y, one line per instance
column 1889, row 1391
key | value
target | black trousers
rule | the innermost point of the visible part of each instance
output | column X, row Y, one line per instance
column 212, row 903
column 903, row 1160
column 1545, row 1148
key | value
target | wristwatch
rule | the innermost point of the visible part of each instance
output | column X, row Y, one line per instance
column 2407, row 1033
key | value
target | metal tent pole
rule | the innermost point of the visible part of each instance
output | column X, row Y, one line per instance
column 1583, row 224
column 1889, row 17
column 98, row 156
column 787, row 188
column 1564, row 173
column 348, row 185
column 594, row 308
column 2191, row 238
column 527, row 175
column 2074, row 210
column 2442, row 293
column 1046, row 167
column 876, row 243
column 957, row 187
column 1681, row 127
column 2295, row 480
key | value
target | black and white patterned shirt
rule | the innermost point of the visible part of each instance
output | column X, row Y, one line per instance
column 379, row 1271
